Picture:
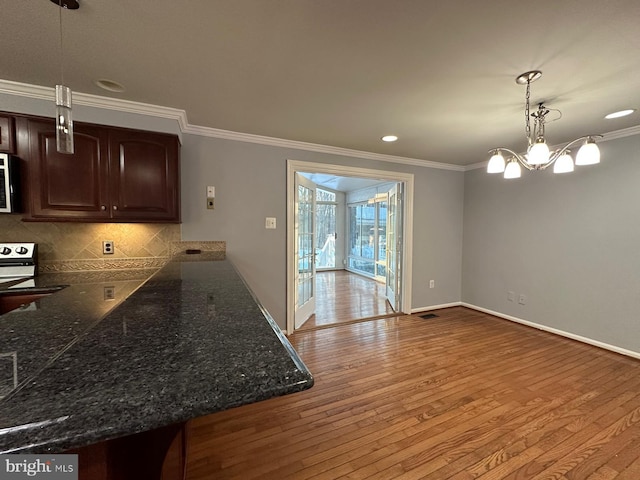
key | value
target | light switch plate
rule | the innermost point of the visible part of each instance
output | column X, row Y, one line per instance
column 270, row 222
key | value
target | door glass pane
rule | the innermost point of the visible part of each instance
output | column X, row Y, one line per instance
column 355, row 230
column 326, row 235
column 382, row 230
column 305, row 245
column 368, row 221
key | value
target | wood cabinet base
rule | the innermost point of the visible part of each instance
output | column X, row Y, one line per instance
column 154, row 455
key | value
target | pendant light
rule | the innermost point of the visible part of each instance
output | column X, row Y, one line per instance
column 64, row 118
column 539, row 156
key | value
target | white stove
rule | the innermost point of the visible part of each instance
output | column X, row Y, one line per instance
column 18, row 260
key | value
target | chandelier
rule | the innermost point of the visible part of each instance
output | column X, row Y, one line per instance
column 538, row 156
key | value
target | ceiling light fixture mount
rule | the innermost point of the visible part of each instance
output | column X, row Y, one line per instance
column 538, row 156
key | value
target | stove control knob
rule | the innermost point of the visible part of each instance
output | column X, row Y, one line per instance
column 5, row 251
column 22, row 250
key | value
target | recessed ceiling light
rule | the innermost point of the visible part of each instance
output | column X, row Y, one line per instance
column 621, row 113
column 389, row 138
column 110, row 85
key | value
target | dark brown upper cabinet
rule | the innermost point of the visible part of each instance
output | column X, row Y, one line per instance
column 7, row 134
column 144, row 176
column 115, row 175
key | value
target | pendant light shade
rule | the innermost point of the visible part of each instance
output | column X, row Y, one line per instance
column 538, row 153
column 589, row 153
column 564, row 164
column 496, row 163
column 64, row 120
column 513, row 170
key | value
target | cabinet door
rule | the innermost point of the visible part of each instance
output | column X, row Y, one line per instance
column 63, row 186
column 7, row 134
column 144, row 176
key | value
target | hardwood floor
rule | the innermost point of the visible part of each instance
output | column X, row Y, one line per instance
column 343, row 296
column 461, row 396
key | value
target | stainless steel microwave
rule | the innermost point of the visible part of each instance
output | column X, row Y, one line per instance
column 9, row 184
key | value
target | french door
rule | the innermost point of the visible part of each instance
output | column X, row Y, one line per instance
column 305, row 207
column 394, row 246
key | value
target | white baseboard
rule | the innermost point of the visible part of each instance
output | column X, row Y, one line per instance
column 436, row 307
column 573, row 336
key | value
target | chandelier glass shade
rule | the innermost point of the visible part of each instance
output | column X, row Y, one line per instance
column 538, row 155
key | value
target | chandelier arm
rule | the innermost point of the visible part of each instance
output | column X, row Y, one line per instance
column 557, row 154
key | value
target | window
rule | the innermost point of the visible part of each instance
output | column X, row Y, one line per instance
column 368, row 236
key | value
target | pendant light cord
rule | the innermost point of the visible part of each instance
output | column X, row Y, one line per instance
column 61, row 47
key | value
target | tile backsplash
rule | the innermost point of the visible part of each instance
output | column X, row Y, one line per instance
column 78, row 246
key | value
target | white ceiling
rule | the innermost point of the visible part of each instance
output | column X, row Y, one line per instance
column 439, row 74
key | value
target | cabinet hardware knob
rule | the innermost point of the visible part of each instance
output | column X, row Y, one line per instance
column 115, row 207
column 102, row 207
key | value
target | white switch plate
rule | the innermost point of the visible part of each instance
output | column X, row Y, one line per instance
column 270, row 222
column 211, row 192
column 522, row 299
column 432, row 283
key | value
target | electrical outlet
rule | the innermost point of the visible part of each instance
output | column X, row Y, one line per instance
column 522, row 299
column 108, row 247
column 109, row 293
column 210, row 203
column 270, row 222
column 432, row 283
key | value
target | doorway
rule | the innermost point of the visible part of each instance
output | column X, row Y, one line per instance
column 400, row 288
column 347, row 297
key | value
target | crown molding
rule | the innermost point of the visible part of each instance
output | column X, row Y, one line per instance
column 625, row 132
column 315, row 147
column 180, row 116
column 85, row 99
column 476, row 166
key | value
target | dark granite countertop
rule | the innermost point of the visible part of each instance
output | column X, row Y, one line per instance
column 79, row 367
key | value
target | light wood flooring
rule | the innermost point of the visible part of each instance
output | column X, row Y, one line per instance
column 461, row 396
column 343, row 296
